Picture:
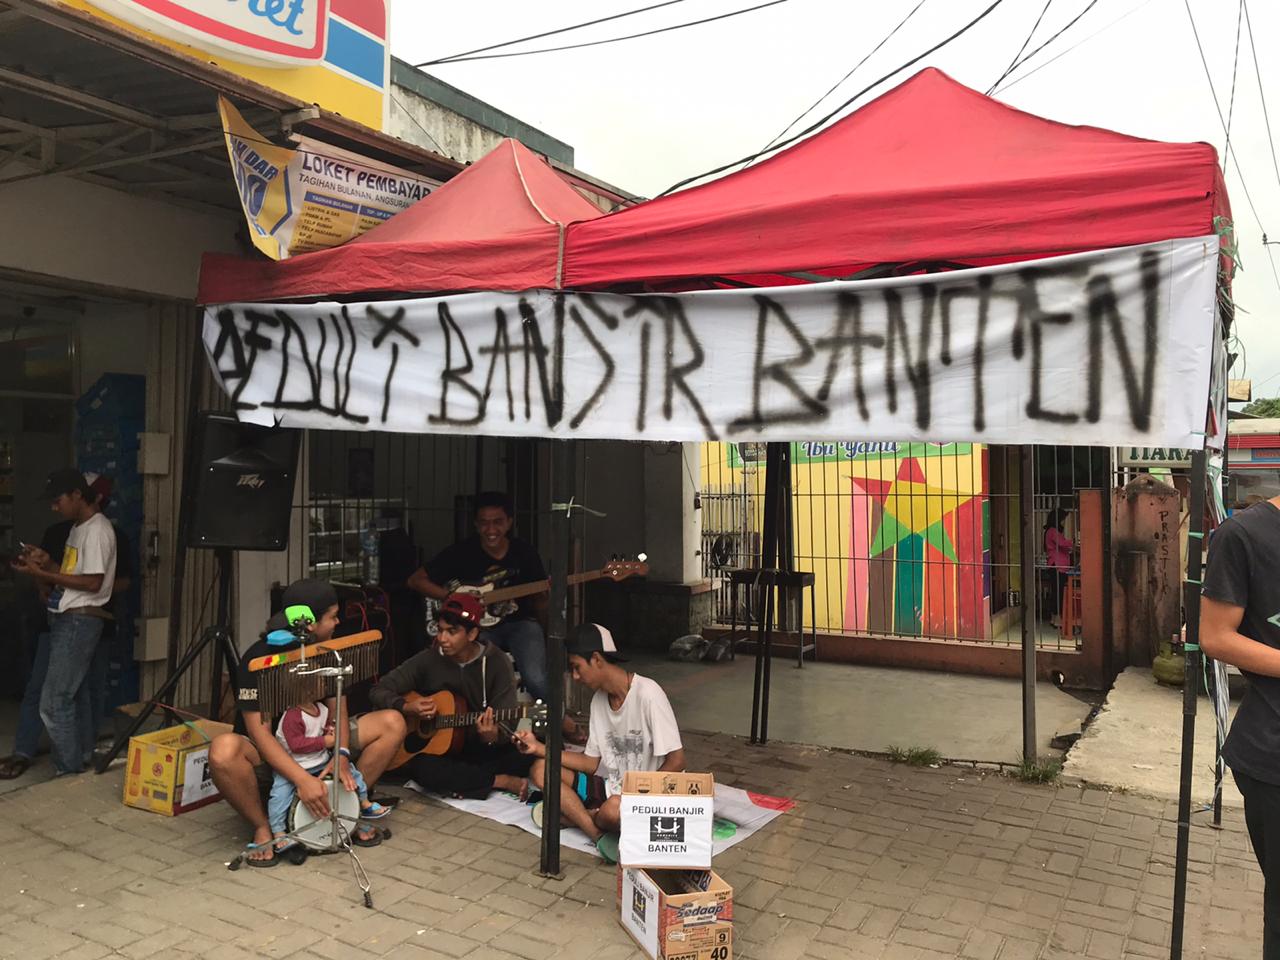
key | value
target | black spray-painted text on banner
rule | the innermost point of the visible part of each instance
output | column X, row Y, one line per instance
column 1103, row 348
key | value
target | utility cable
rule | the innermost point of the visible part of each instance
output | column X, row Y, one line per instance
column 819, row 123
column 1235, row 66
column 629, row 36
column 1261, row 95
column 1014, row 62
column 418, row 123
column 1074, row 46
column 1070, row 23
column 548, row 33
column 787, row 129
column 1234, row 157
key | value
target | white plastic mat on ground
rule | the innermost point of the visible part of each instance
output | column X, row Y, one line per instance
column 739, row 814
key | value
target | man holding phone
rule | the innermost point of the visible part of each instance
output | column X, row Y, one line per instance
column 80, row 588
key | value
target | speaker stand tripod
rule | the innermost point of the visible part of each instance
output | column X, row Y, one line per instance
column 219, row 636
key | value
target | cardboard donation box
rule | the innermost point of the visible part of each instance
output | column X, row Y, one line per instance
column 677, row 914
column 168, row 771
column 666, row 820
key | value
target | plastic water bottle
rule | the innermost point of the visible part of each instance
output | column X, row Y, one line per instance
column 369, row 547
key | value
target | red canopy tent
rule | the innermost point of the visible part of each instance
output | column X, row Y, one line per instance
column 498, row 225
column 930, row 173
column 931, row 170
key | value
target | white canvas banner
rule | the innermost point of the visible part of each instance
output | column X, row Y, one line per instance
column 1106, row 348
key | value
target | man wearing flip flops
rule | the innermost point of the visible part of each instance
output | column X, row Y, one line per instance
column 242, row 763
column 632, row 728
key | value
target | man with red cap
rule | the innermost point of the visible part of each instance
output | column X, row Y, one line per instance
column 478, row 672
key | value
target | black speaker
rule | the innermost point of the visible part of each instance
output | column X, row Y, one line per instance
column 242, row 491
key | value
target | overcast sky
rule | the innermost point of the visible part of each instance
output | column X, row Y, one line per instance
column 645, row 113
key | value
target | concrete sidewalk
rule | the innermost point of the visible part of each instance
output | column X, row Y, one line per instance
column 876, row 861
column 1135, row 743
column 868, row 708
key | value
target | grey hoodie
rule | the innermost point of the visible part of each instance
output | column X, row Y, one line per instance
column 488, row 680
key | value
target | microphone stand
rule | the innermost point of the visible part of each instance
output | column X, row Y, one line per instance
column 338, row 838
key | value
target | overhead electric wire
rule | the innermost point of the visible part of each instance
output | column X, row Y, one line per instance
column 1235, row 67
column 1014, row 62
column 1223, row 120
column 819, row 123
column 787, row 129
column 629, row 36
column 1070, row 23
column 550, row 33
column 418, row 123
column 1077, row 44
column 1261, row 95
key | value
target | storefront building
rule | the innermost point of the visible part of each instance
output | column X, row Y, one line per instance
column 117, row 180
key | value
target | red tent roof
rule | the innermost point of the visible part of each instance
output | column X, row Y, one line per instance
column 495, row 226
column 931, row 170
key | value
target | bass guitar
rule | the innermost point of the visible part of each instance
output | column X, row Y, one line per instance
column 446, row 732
column 500, row 601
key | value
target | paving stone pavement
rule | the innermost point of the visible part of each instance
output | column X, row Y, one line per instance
column 876, row 861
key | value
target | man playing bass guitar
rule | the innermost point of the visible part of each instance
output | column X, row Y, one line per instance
column 476, row 670
column 493, row 556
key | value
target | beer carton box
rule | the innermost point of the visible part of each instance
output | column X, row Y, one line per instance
column 666, row 820
column 677, row 914
column 168, row 771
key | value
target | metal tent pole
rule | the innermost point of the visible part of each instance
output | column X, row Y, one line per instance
column 1217, row 744
column 766, row 584
column 1190, row 689
column 562, row 481
column 1030, row 593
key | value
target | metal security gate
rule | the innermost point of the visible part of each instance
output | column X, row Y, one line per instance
column 910, row 540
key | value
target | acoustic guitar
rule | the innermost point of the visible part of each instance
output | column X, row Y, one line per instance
column 500, row 601
column 446, row 732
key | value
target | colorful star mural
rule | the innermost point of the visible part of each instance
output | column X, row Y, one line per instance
column 918, row 542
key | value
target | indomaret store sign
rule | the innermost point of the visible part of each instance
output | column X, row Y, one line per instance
column 1098, row 348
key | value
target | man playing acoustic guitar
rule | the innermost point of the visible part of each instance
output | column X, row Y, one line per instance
column 481, row 674
column 632, row 728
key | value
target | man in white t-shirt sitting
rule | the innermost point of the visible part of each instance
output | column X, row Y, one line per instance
column 632, row 728
column 80, row 591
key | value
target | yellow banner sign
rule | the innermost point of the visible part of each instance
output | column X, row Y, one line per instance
column 313, row 197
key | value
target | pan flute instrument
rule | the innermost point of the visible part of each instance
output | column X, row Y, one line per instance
column 280, row 688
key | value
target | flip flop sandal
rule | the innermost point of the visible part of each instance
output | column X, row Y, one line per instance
column 251, row 847
column 11, row 768
column 370, row 839
column 374, row 811
column 608, row 847
column 535, row 812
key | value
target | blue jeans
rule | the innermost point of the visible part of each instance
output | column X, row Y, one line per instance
column 27, row 740
column 523, row 639
column 73, row 640
column 283, row 791
column 91, row 701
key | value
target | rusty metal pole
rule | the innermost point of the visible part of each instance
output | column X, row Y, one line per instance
column 1030, row 593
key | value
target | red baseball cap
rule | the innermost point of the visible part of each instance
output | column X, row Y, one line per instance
column 461, row 608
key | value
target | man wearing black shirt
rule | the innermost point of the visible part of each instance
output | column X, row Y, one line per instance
column 1240, row 625
column 241, row 763
column 494, row 556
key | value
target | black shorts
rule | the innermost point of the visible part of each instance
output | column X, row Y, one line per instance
column 591, row 790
